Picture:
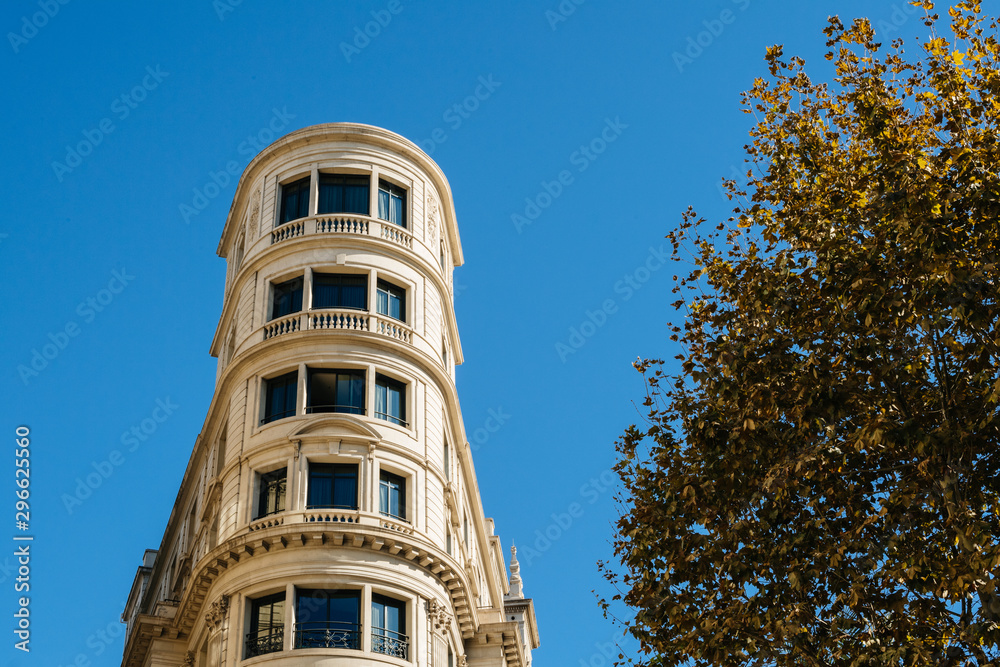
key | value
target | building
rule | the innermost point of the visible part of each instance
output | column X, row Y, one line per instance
column 329, row 513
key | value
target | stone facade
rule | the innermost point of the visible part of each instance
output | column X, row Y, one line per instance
column 330, row 513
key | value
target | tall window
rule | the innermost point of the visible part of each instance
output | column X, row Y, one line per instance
column 343, row 193
column 333, row 485
column 391, row 203
column 392, row 495
column 390, row 400
column 336, row 391
column 389, row 627
column 391, row 300
column 271, row 497
column 279, row 397
column 294, row 201
column 267, row 625
column 286, row 298
column 327, row 619
column 334, row 290
column 447, row 462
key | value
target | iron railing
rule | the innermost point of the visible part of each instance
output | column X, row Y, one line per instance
column 328, row 634
column 390, row 642
column 265, row 641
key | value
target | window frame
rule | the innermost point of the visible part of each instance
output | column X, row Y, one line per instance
column 277, row 287
column 384, row 639
column 326, row 178
column 390, row 290
column 390, row 383
column 268, row 415
column 318, row 467
column 388, row 482
column 350, row 636
column 318, row 278
column 280, row 475
column 283, row 201
column 392, row 189
column 277, row 630
column 351, row 409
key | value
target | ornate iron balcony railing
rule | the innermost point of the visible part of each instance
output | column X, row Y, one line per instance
column 265, row 641
column 328, row 634
column 390, row 642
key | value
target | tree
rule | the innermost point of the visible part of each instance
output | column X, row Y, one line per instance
column 816, row 481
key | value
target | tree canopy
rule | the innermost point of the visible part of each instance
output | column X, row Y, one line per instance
column 816, row 479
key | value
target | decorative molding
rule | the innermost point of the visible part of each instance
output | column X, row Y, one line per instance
column 439, row 615
column 189, row 659
column 217, row 612
column 432, row 217
column 254, row 214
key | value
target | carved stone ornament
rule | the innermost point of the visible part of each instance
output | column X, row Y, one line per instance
column 217, row 611
column 439, row 615
column 254, row 213
column 463, row 662
column 432, row 217
column 189, row 659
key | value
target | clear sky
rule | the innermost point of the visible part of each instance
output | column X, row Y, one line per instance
column 573, row 134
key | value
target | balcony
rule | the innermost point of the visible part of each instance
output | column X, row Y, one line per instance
column 343, row 224
column 338, row 319
column 390, row 642
column 269, row 641
column 328, row 634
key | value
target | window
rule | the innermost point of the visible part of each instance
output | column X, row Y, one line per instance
column 343, row 193
column 447, row 462
column 390, row 400
column 286, row 298
column 279, row 397
column 294, row 201
column 327, row 619
column 391, row 203
column 389, row 627
column 271, row 496
column 336, row 391
column 447, row 540
column 391, row 300
column 392, row 495
column 267, row 625
column 333, row 290
column 333, row 485
column 465, row 529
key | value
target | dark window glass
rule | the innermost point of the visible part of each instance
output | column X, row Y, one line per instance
column 327, row 619
column 389, row 627
column 336, row 391
column 280, row 394
column 271, row 498
column 392, row 495
column 287, row 298
column 392, row 203
column 343, row 193
column 391, row 300
column 390, row 400
column 267, row 625
column 334, row 290
column 333, row 485
column 294, row 201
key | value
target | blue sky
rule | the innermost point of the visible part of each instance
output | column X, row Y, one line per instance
column 573, row 134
